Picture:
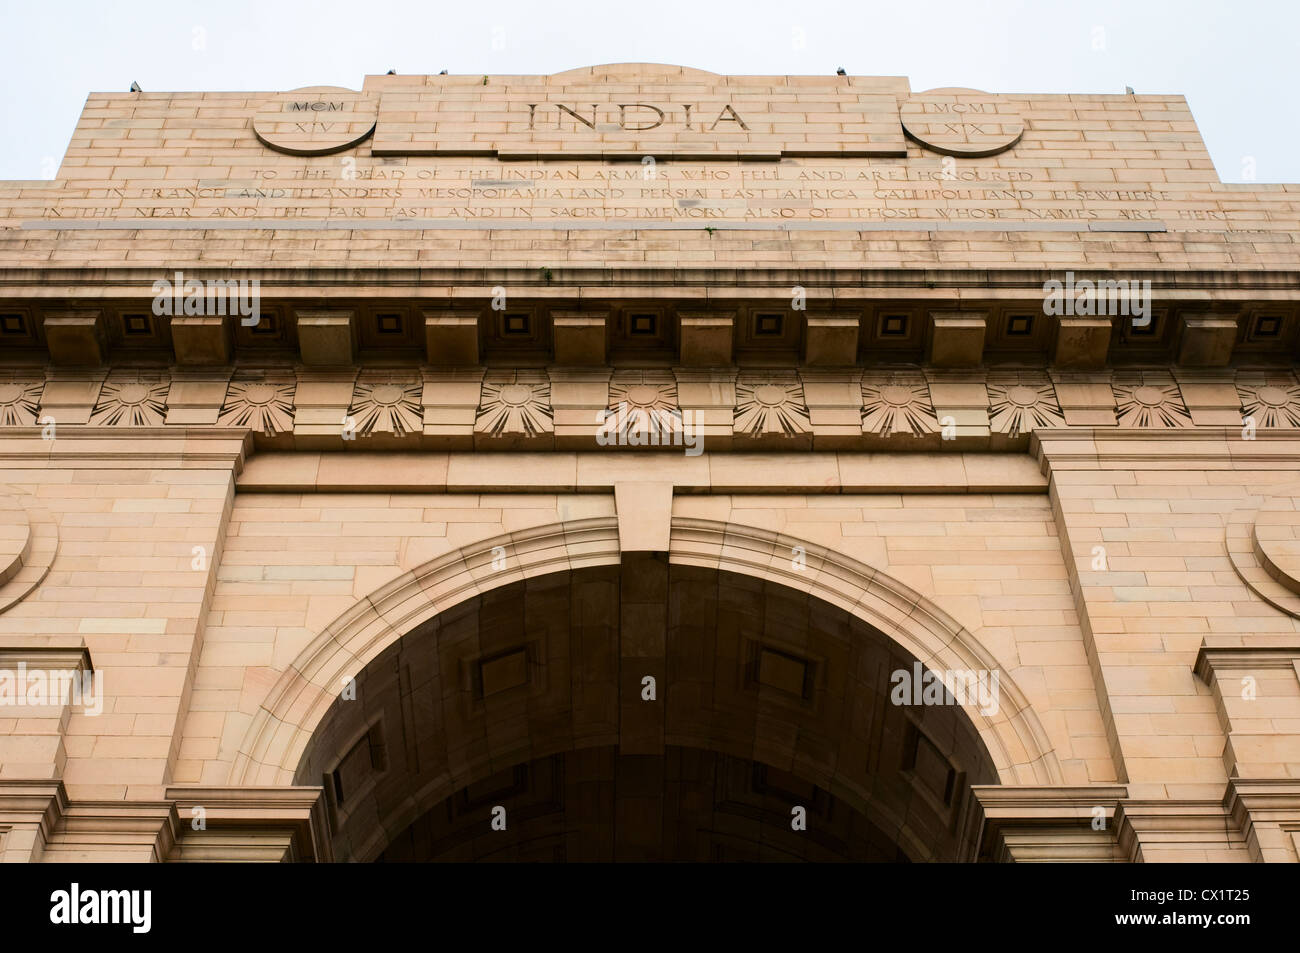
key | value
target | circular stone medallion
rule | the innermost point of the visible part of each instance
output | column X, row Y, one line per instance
column 1268, row 396
column 770, row 395
column 15, row 537
column 387, row 395
column 1022, row 396
column 516, row 395
column 316, row 120
column 259, row 394
column 961, row 122
column 1277, row 541
column 1149, row 396
column 896, row 395
column 643, row 395
column 132, row 394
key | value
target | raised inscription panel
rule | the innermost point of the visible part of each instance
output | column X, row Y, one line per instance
column 962, row 122
column 527, row 117
column 315, row 120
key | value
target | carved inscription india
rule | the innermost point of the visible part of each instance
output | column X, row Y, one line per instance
column 631, row 117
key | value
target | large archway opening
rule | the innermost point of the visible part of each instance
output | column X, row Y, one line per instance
column 596, row 804
column 645, row 711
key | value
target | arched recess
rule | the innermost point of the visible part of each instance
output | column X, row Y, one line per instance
column 282, row 729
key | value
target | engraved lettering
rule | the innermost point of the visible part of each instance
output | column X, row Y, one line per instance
column 589, row 125
column 722, row 117
column 622, row 117
column 317, row 106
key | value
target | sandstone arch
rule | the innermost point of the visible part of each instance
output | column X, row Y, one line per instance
column 281, row 730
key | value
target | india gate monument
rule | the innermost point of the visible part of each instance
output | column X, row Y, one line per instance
column 639, row 463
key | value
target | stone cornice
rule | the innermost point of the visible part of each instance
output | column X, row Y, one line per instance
column 15, row 650
column 298, row 811
column 170, row 447
column 290, row 820
column 1248, row 798
column 1210, row 658
column 1147, row 823
column 631, row 280
column 1205, row 447
column 1014, row 820
column 22, row 799
column 950, row 466
column 38, row 805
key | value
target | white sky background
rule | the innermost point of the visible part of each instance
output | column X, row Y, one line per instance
column 1238, row 63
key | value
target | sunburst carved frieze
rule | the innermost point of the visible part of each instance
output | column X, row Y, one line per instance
column 897, row 404
column 771, row 406
column 387, row 404
column 1019, row 407
column 131, row 401
column 515, row 403
column 642, row 403
column 264, row 404
column 767, row 402
column 19, row 402
column 1155, row 404
column 1271, row 405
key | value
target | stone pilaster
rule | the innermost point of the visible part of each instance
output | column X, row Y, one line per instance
column 1042, row 824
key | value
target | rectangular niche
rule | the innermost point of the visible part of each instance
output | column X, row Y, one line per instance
column 357, row 771
column 931, row 774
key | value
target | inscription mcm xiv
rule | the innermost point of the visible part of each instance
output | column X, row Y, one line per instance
column 318, row 106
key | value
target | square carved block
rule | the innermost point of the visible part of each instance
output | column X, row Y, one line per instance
column 451, row 337
column 831, row 340
column 327, row 337
column 202, row 339
column 579, row 337
column 503, row 672
column 706, row 339
column 957, row 338
column 76, row 337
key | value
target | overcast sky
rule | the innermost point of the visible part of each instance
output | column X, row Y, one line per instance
column 1236, row 62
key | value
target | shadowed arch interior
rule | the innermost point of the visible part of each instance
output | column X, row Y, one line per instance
column 535, row 697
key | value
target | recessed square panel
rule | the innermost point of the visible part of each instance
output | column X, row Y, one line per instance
column 138, row 324
column 266, row 324
column 516, row 322
column 893, row 325
column 1148, row 330
column 1020, row 325
column 769, row 325
column 933, row 770
column 783, row 672
column 353, row 771
column 503, row 672
column 13, row 324
column 389, row 323
column 1267, row 326
column 640, row 337
column 644, row 324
